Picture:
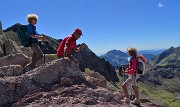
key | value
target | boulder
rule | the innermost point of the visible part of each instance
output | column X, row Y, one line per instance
column 15, row 87
column 8, row 46
column 11, row 70
column 14, row 59
column 95, row 78
column 55, row 71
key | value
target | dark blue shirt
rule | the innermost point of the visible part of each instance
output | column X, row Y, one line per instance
column 31, row 30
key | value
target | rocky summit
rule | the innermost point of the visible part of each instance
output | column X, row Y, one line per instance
column 57, row 83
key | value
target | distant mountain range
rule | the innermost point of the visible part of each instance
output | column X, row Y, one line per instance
column 117, row 57
column 153, row 52
column 170, row 57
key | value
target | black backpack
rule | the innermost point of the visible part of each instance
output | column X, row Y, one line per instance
column 23, row 36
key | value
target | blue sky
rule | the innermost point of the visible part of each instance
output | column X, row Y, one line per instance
column 106, row 24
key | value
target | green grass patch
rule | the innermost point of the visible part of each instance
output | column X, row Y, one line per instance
column 160, row 94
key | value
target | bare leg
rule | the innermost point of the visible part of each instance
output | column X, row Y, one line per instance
column 135, row 88
column 125, row 90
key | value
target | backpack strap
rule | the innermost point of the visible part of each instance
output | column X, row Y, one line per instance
column 136, row 65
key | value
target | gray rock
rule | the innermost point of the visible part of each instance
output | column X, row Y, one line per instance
column 12, row 36
column 96, row 78
column 14, row 59
column 14, row 88
column 11, row 70
column 10, row 46
column 55, row 70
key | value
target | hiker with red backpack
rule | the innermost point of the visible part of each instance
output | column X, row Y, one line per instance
column 68, row 44
column 32, row 41
column 134, row 69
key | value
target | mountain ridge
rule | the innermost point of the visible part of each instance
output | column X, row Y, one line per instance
column 118, row 57
column 168, row 57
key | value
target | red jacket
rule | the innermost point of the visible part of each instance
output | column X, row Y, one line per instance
column 132, row 66
column 71, row 41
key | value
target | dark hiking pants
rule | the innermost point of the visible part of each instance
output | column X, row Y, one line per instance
column 36, row 56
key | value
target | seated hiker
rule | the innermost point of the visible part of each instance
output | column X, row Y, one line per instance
column 131, row 70
column 34, row 36
column 65, row 48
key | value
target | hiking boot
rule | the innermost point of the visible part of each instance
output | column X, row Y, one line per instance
column 136, row 101
column 126, row 100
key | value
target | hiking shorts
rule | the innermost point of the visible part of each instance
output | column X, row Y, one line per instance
column 132, row 80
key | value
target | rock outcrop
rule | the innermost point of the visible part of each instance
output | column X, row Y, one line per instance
column 11, row 70
column 57, row 83
column 8, row 46
column 61, row 84
column 88, row 59
column 14, row 59
column 95, row 78
column 12, row 88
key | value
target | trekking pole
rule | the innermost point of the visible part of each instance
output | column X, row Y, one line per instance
column 40, row 45
column 44, row 53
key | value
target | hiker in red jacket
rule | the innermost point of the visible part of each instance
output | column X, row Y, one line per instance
column 69, row 43
column 131, row 70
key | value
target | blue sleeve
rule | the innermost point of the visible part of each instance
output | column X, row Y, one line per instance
column 29, row 30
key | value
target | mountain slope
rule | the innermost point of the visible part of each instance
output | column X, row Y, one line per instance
column 170, row 57
column 115, row 57
column 163, row 72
